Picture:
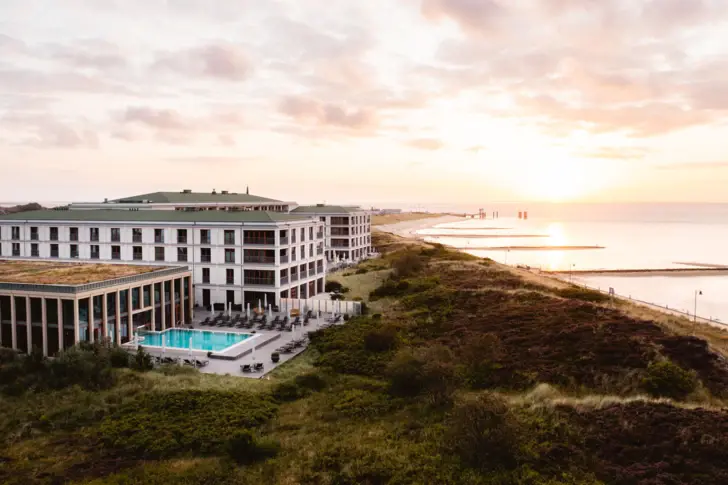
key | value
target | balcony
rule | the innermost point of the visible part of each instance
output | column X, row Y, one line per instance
column 114, row 238
column 260, row 259
column 33, row 236
column 319, row 269
column 320, row 251
column 260, row 281
column 137, row 238
column 294, row 277
column 284, row 258
column 230, row 241
column 94, row 238
column 303, row 274
column 205, row 240
column 16, row 252
column 284, row 280
column 206, row 258
column 114, row 255
column 159, row 239
column 95, row 255
column 181, row 240
column 260, row 241
column 320, row 235
column 284, row 241
column 74, row 237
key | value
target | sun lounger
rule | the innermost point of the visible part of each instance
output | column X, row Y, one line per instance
column 188, row 362
column 201, row 363
column 246, row 368
column 168, row 360
column 258, row 366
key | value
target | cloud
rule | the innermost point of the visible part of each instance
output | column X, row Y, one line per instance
column 218, row 61
column 315, row 112
column 693, row 166
column 161, row 119
column 43, row 131
column 88, row 53
column 474, row 16
column 216, row 160
column 614, row 153
column 426, row 144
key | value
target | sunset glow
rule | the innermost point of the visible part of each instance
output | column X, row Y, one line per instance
column 537, row 100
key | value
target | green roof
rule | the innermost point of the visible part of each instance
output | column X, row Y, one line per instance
column 326, row 209
column 193, row 197
column 110, row 215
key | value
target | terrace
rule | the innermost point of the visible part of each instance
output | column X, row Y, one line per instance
column 50, row 273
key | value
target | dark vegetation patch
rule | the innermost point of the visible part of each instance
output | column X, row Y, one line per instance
column 165, row 424
column 656, row 444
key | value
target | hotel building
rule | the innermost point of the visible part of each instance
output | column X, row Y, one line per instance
column 235, row 256
column 53, row 306
column 348, row 230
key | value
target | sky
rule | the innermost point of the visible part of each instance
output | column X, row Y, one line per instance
column 373, row 102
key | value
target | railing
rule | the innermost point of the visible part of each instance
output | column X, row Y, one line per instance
column 159, row 239
column 95, row 256
column 205, row 240
column 260, row 281
column 181, row 240
column 136, row 238
column 320, row 235
column 303, row 273
column 230, row 282
column 74, row 237
column 319, row 269
column 284, row 241
column 181, row 258
column 137, row 256
column 259, row 259
column 294, row 277
column 284, row 258
column 93, row 238
column 16, row 253
column 206, row 258
column 229, row 241
column 33, row 237
column 113, row 255
column 74, row 254
column 284, row 280
column 320, row 251
column 259, row 241
column 116, row 238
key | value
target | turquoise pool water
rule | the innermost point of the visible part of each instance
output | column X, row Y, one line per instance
column 179, row 338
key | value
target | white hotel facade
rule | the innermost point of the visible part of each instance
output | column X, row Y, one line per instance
column 239, row 248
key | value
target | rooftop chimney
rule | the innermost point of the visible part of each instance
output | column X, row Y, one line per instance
column 224, row 192
column 214, row 192
column 187, row 191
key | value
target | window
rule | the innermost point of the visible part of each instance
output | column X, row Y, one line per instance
column 16, row 233
column 229, row 237
column 159, row 236
column 33, row 233
column 284, row 237
column 159, row 254
column 303, row 252
column 136, row 235
column 74, row 251
column 293, row 235
column 115, row 234
column 323, row 219
column 74, row 234
column 137, row 253
column 182, row 236
column 230, row 276
column 310, row 250
column 205, row 255
column 54, row 234
column 182, row 255
column 204, row 236
column 115, row 251
column 259, row 237
column 93, row 234
column 293, row 254
column 16, row 249
column 54, row 250
column 229, row 255
column 303, row 234
column 34, row 250
column 95, row 254
column 205, row 275
column 310, row 233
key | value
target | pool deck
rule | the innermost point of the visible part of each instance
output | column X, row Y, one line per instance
column 233, row 367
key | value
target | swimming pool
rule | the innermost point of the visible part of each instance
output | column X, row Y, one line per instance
column 179, row 338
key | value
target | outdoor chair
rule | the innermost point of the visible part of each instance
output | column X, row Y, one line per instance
column 246, row 368
column 201, row 363
column 258, row 366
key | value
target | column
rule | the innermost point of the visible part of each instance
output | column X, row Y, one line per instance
column 91, row 323
column 182, row 301
column 154, row 307
column 105, row 315
column 76, row 324
column 44, row 325
column 28, row 326
column 191, row 300
column 13, row 323
column 59, row 303
column 173, row 323
column 163, row 301
column 129, row 320
column 117, row 323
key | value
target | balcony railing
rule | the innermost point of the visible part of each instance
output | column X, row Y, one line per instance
column 320, row 235
column 159, row 239
column 181, row 240
column 294, row 277
column 284, row 258
column 320, row 251
column 205, row 240
column 114, row 238
column 74, row 237
column 260, row 241
column 113, row 255
column 33, row 236
column 230, row 241
column 319, row 269
column 284, row 241
column 260, row 281
column 34, row 252
column 16, row 252
column 95, row 255
column 137, row 238
column 206, row 258
column 284, row 280
column 94, row 238
column 260, row 259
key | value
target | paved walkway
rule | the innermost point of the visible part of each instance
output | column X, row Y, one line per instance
column 233, row 367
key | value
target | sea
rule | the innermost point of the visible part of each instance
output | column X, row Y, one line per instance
column 579, row 237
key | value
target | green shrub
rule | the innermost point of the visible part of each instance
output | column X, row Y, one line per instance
column 667, row 379
column 142, row 361
column 288, row 391
column 407, row 263
column 362, row 271
column 311, row 381
column 177, row 370
column 430, row 371
column 359, row 403
column 119, row 357
column 485, row 434
column 583, row 294
column 333, row 287
column 158, row 425
column 244, row 448
column 381, row 339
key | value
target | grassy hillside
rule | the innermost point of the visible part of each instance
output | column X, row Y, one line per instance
column 463, row 372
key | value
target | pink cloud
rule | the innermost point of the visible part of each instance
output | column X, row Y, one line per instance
column 220, row 61
column 327, row 114
column 426, row 144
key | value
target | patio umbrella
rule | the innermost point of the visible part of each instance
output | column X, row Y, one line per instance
column 247, row 311
column 258, row 303
column 270, row 311
column 265, row 300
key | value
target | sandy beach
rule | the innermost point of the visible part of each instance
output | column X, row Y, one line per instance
column 410, row 228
